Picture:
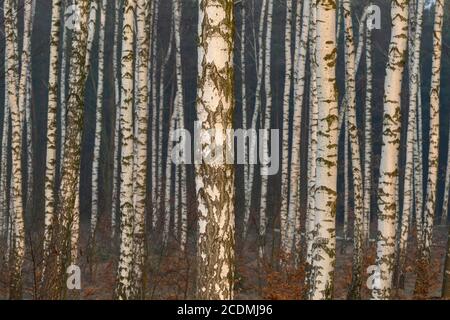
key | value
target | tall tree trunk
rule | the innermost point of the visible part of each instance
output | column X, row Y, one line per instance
column 117, row 100
column 98, row 120
column 433, row 153
column 52, row 123
column 368, row 137
column 387, row 206
column 256, row 112
column 12, row 74
column 266, row 125
column 215, row 179
column 140, row 161
column 324, row 247
column 350, row 84
column 286, row 219
column 414, row 86
column 68, row 209
column 301, row 47
column 125, row 286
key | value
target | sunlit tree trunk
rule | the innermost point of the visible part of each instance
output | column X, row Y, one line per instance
column 387, row 206
column 312, row 154
column 215, row 179
column 98, row 120
column 444, row 215
column 324, row 247
column 125, row 286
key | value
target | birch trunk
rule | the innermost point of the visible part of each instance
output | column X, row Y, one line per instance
column 324, row 247
column 98, row 120
column 52, row 124
column 125, row 286
column 414, row 86
column 358, row 197
column 446, row 281
column 256, row 113
column 287, row 220
column 140, row 161
column 267, row 121
column 68, row 209
column 433, row 153
column 387, row 207
column 312, row 155
column 12, row 75
column 301, row 47
column 117, row 100
column 215, row 179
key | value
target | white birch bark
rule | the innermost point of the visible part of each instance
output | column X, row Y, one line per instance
column 266, row 125
column 286, row 216
column 125, row 289
column 414, row 86
column 256, row 112
column 215, row 179
column 12, row 75
column 350, row 84
column 301, row 47
column 324, row 247
column 433, row 153
column 117, row 100
column 53, row 85
column 98, row 119
column 387, row 207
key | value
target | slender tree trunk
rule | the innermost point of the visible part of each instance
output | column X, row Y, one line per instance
column 387, row 206
column 140, row 161
column 215, row 179
column 433, row 153
column 312, row 155
column 125, row 286
column 52, row 123
column 256, row 112
column 358, row 198
column 368, row 137
column 267, row 121
column 301, row 47
column 414, row 86
column 446, row 281
column 117, row 100
column 287, row 220
column 324, row 247
column 68, row 208
column 98, row 120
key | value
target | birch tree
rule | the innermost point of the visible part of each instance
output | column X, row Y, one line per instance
column 140, row 161
column 287, row 221
column 324, row 246
column 98, row 119
column 350, row 83
column 433, row 153
column 387, row 207
column 68, row 207
column 125, row 289
column 215, row 179
column 52, row 113
column 12, row 76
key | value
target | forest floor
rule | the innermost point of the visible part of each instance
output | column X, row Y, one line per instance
column 170, row 276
